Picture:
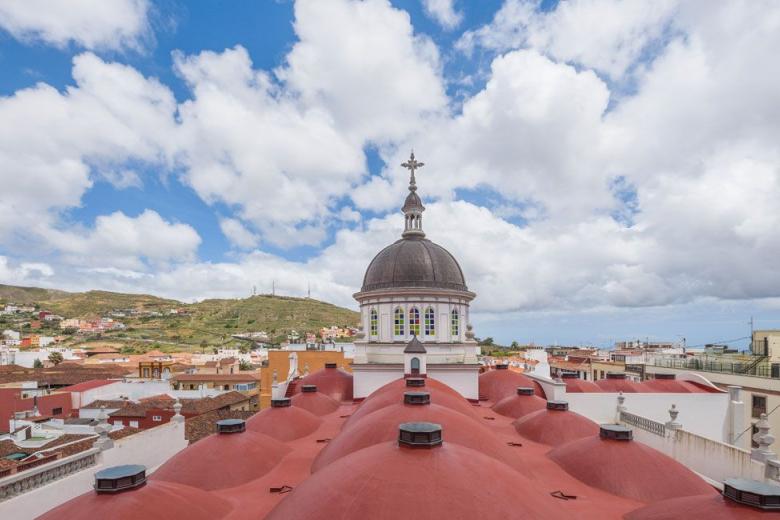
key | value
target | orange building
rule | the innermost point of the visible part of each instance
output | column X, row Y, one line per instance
column 308, row 361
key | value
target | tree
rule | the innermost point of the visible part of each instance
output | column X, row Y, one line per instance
column 515, row 345
column 37, row 364
column 486, row 342
column 244, row 365
column 55, row 358
column 244, row 348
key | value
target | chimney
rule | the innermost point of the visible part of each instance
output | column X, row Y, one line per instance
column 525, row 390
column 502, row 366
column 761, row 495
column 419, row 435
column 331, row 365
column 120, row 478
column 415, row 382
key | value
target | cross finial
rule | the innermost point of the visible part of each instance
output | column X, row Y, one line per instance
column 412, row 164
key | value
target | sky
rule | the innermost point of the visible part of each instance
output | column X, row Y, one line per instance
column 602, row 169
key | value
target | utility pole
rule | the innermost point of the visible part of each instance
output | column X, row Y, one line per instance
column 273, row 287
column 308, row 291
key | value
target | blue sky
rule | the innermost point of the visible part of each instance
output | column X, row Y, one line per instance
column 595, row 185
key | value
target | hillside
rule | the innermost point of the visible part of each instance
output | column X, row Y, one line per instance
column 207, row 323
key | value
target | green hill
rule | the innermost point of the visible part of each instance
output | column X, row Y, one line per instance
column 207, row 323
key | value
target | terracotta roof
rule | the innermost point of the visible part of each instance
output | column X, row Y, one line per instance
column 332, row 382
column 88, row 385
column 108, row 403
column 237, row 378
column 205, row 424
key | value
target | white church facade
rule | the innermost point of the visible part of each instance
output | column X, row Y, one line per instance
column 414, row 306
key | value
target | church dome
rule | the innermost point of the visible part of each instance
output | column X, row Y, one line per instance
column 414, row 262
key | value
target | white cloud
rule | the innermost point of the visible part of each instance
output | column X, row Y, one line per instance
column 91, row 24
column 444, row 12
column 238, row 234
column 24, row 272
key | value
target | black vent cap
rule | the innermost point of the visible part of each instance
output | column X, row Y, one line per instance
column 560, row 406
column 616, row 375
column 753, row 493
column 664, row 376
column 616, row 432
column 417, row 398
column 419, row 435
column 231, row 426
column 331, row 365
column 415, row 382
column 309, row 389
column 282, row 402
column 570, row 375
column 525, row 390
column 120, row 478
column 502, row 366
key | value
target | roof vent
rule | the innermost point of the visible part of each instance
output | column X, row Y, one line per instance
column 561, row 406
column 616, row 375
column 419, row 435
column 309, row 389
column 753, row 493
column 231, row 426
column 664, row 376
column 282, row 402
column 616, row 432
column 525, row 390
column 415, row 382
column 331, row 365
column 417, row 398
column 120, row 478
column 570, row 375
column 502, row 366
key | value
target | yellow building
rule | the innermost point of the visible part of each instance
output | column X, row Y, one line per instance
column 309, row 361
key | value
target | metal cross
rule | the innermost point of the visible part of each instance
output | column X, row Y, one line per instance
column 411, row 165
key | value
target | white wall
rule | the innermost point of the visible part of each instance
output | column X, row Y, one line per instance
column 465, row 380
column 367, row 381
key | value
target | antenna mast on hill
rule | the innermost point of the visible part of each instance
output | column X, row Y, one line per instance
column 308, row 291
column 273, row 287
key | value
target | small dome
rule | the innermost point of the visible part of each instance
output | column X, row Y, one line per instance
column 284, row 424
column 516, row 406
column 711, row 505
column 628, row 468
column 156, row 500
column 494, row 385
column 333, row 382
column 555, row 427
column 414, row 262
column 393, row 393
column 382, row 426
column 316, row 403
column 223, row 460
column 391, row 481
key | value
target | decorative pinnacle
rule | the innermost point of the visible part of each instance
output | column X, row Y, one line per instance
column 412, row 164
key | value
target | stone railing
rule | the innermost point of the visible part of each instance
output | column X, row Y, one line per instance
column 643, row 423
column 44, row 473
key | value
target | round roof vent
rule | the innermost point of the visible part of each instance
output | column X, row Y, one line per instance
column 502, row 366
column 615, row 432
column 231, row 426
column 419, row 435
column 417, row 398
column 331, row 365
column 415, row 382
column 616, row 375
column 282, row 402
column 664, row 376
column 753, row 493
column 560, row 406
column 525, row 390
column 120, row 478
column 570, row 375
column 309, row 389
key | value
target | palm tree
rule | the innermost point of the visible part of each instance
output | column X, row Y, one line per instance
column 55, row 358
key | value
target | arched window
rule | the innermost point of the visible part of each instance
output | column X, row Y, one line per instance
column 415, row 365
column 373, row 322
column 430, row 322
column 455, row 323
column 398, row 324
column 414, row 321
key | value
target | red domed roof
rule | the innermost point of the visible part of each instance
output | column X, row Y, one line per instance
column 674, row 386
column 315, row 402
column 618, row 385
column 284, row 424
column 710, row 506
column 628, row 468
column 519, row 405
column 332, row 382
column 223, row 460
column 382, row 426
column 497, row 384
column 576, row 385
column 387, row 481
column 154, row 501
column 555, row 427
column 393, row 393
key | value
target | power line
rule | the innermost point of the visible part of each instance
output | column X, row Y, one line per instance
column 719, row 341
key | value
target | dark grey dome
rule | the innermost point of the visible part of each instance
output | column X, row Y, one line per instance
column 414, row 262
